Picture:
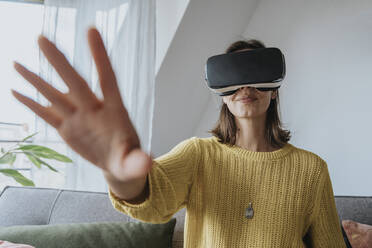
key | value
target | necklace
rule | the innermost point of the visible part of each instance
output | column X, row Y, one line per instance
column 249, row 211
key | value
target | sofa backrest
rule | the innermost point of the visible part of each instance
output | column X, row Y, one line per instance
column 42, row 206
column 356, row 208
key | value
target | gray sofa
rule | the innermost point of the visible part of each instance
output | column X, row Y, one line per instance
column 42, row 206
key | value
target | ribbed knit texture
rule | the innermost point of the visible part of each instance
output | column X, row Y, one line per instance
column 290, row 191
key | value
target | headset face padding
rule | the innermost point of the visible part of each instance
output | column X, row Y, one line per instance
column 262, row 68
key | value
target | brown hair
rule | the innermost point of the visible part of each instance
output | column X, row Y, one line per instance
column 225, row 128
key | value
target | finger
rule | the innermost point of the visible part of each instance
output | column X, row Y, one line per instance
column 79, row 88
column 38, row 109
column 59, row 100
column 106, row 74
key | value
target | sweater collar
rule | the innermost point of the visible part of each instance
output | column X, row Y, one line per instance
column 260, row 156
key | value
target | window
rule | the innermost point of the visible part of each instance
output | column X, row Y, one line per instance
column 20, row 25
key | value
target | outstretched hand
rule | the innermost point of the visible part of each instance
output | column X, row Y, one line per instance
column 99, row 130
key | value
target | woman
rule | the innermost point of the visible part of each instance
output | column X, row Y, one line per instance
column 245, row 186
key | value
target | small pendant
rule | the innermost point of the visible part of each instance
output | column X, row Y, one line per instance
column 249, row 211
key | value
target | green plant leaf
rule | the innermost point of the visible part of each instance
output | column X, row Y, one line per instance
column 13, row 159
column 38, row 162
column 47, row 165
column 8, row 158
column 45, row 152
column 33, row 160
column 28, row 137
column 17, row 176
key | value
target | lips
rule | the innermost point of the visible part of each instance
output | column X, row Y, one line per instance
column 246, row 98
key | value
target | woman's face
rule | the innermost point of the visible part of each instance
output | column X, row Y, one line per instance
column 240, row 107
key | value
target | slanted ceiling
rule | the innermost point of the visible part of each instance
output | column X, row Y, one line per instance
column 181, row 97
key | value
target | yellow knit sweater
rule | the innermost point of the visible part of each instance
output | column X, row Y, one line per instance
column 290, row 191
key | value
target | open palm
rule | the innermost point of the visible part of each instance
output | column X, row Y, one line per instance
column 99, row 130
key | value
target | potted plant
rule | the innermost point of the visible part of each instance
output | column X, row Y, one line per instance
column 35, row 153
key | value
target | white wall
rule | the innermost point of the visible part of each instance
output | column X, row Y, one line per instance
column 181, row 94
column 325, row 97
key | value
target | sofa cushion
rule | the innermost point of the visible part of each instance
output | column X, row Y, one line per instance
column 359, row 235
column 6, row 244
column 99, row 234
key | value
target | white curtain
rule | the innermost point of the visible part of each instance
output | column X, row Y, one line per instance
column 128, row 30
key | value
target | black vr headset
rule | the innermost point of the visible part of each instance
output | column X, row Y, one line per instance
column 262, row 68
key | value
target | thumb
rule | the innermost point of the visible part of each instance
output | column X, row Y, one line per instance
column 136, row 164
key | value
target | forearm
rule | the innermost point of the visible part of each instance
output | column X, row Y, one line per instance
column 134, row 192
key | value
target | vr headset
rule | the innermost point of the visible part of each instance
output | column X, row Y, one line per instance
column 262, row 68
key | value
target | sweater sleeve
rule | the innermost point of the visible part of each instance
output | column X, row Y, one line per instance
column 170, row 180
column 325, row 228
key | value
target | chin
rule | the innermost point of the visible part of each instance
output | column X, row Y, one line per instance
column 247, row 115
